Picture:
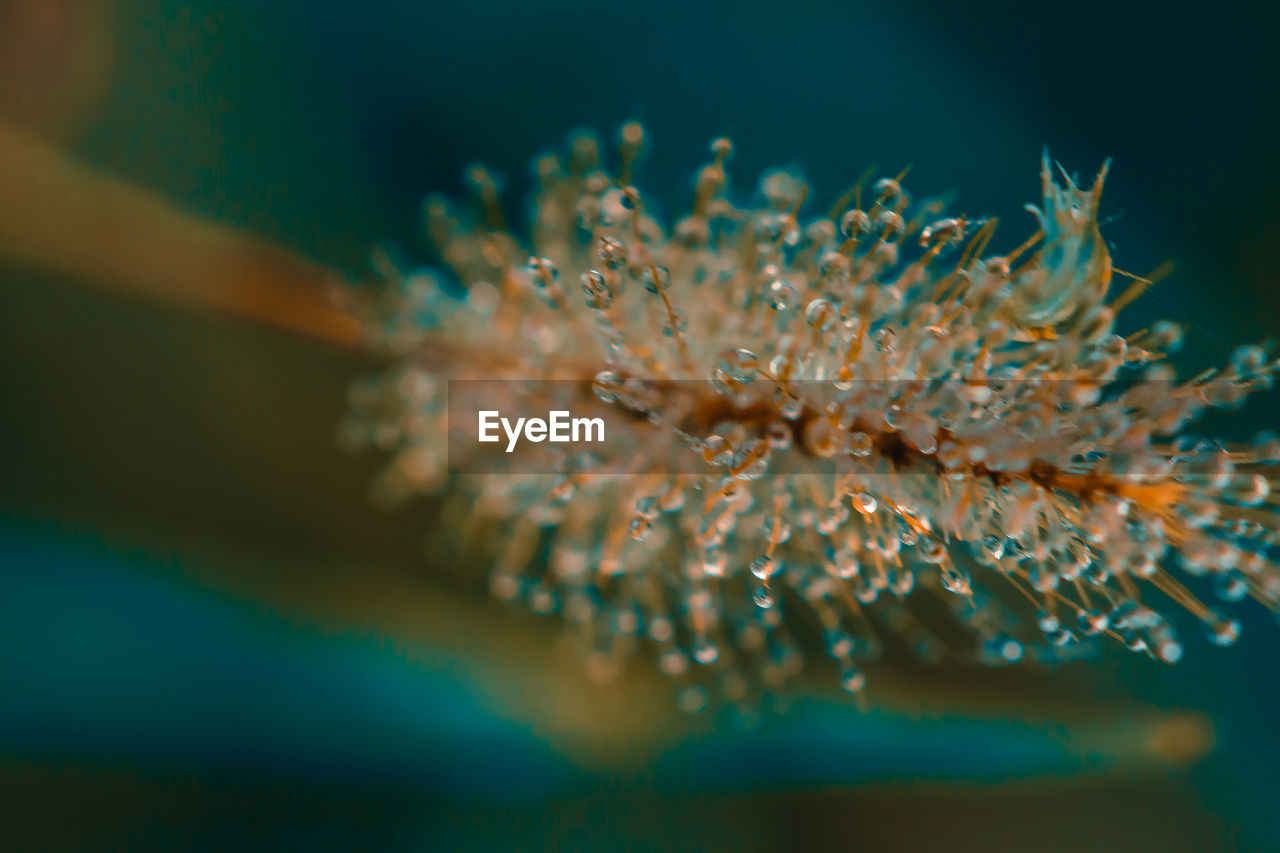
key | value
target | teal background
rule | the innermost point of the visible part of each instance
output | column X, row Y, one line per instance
column 158, row 694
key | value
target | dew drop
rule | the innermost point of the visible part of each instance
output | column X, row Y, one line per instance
column 778, row 434
column 599, row 295
column 1047, row 622
column 606, row 386
column 716, row 450
column 764, row 567
column 865, row 503
column 656, row 279
column 1002, row 648
column 1092, row 622
column 1231, row 586
column 932, row 551
column 640, row 528
column 860, row 445
column 612, row 252
column 955, row 580
column 733, row 368
column 673, row 662
column 1169, row 651
column 680, row 325
column 781, row 295
column 705, row 651
column 1223, row 631
column 852, row 679
column 854, row 223
column 821, row 314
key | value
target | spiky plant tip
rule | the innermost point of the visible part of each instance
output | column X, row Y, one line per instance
column 858, row 415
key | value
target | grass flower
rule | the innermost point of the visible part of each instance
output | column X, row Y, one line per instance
column 861, row 420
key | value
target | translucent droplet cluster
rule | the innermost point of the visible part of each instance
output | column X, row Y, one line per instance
column 862, row 420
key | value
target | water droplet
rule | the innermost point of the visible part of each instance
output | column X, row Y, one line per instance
column 673, row 662
column 764, row 567
column 1048, row 622
column 1166, row 336
column 844, row 564
column 854, row 223
column 1231, row 586
column 1001, row 648
column 821, row 314
column 955, row 580
column 1223, row 631
column 640, row 528
column 656, row 279
column 778, row 434
column 672, row 499
column 542, row 271
column 1169, row 651
column 599, row 294
column 612, row 252
column 681, row 323
column 713, row 562
column 1062, row 637
column 891, row 224
column 734, row 368
column 790, row 406
column 646, row 507
column 1092, row 622
column 716, row 450
column 852, row 679
column 606, row 386
column 1248, row 360
column 777, row 529
column 860, row 445
column 931, row 550
column 781, row 295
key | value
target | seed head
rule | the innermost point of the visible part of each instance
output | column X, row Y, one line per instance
column 846, row 414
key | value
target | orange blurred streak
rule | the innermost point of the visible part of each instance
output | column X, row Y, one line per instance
column 61, row 215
